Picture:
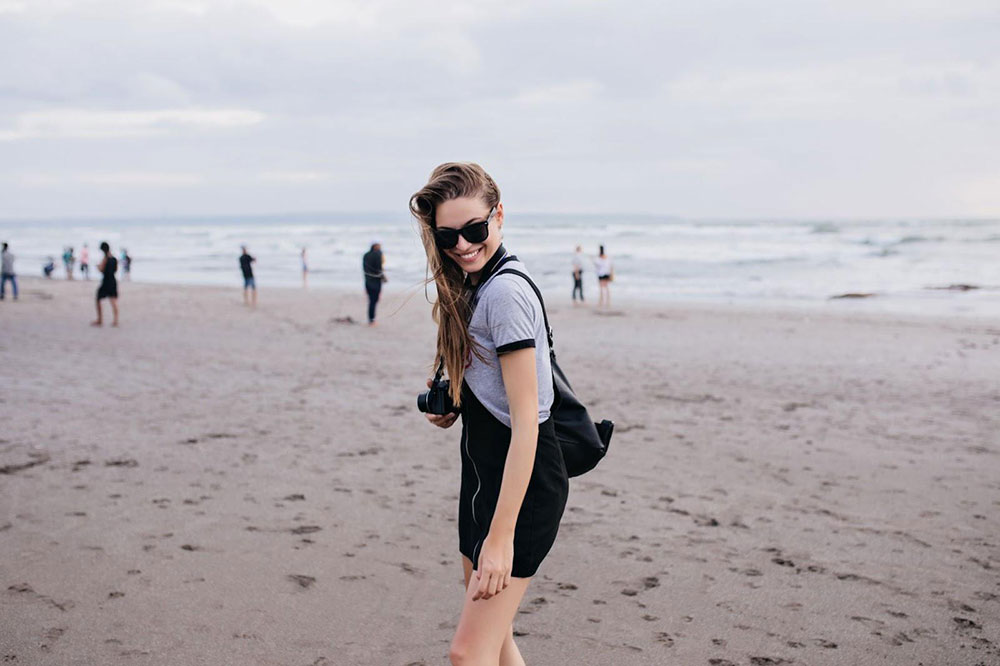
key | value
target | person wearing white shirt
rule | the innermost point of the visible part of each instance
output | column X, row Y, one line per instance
column 605, row 274
column 7, row 272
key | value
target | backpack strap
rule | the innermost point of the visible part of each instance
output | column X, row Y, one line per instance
column 514, row 271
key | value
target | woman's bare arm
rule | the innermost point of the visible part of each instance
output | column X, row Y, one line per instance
column 520, row 380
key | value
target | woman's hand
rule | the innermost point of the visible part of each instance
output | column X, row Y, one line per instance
column 496, row 559
column 441, row 420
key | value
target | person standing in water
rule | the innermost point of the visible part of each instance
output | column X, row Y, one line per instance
column 69, row 261
column 249, row 284
column 126, row 264
column 373, row 264
column 7, row 272
column 578, row 274
column 85, row 262
column 493, row 342
column 605, row 274
column 109, row 285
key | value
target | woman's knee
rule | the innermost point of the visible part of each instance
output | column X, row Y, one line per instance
column 458, row 654
column 467, row 653
column 468, row 649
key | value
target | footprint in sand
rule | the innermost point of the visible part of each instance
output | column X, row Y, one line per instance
column 868, row 622
column 303, row 581
column 50, row 636
column 965, row 623
column 305, row 529
column 121, row 462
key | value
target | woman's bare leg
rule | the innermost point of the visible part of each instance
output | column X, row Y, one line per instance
column 509, row 654
column 485, row 628
column 98, row 321
column 114, row 309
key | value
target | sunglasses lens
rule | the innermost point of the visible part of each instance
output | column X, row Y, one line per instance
column 446, row 238
column 476, row 233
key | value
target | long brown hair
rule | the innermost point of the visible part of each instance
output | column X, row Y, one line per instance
column 452, row 309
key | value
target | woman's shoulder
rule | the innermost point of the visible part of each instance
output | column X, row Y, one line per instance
column 508, row 289
column 506, row 282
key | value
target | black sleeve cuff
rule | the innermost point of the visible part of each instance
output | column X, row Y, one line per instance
column 514, row 346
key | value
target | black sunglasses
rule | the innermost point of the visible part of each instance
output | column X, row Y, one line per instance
column 475, row 232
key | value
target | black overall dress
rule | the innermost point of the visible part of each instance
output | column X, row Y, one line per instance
column 485, row 442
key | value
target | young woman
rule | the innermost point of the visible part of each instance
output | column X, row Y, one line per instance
column 493, row 343
column 605, row 274
column 109, row 285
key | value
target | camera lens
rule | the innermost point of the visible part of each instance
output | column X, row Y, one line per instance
column 422, row 402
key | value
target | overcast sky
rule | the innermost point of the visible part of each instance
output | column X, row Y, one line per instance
column 786, row 108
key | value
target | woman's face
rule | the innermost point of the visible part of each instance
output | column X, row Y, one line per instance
column 457, row 213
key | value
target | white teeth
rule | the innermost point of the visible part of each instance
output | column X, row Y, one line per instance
column 469, row 255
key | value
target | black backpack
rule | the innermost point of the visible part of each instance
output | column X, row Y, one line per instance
column 583, row 441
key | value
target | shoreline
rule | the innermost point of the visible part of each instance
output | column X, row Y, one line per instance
column 823, row 308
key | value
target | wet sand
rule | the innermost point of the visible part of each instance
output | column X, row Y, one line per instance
column 213, row 485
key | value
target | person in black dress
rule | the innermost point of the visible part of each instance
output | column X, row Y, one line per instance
column 493, row 343
column 109, row 285
column 372, row 264
column 249, row 283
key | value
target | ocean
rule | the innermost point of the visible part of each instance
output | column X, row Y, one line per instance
column 909, row 266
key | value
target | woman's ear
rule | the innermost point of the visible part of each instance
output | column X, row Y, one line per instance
column 499, row 216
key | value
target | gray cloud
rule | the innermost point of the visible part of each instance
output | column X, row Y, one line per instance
column 701, row 109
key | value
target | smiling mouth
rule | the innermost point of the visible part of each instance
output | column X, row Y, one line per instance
column 470, row 256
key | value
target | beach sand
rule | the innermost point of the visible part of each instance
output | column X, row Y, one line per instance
column 214, row 485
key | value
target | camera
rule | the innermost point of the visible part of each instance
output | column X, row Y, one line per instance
column 436, row 400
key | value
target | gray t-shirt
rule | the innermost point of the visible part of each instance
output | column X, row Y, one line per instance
column 7, row 267
column 507, row 317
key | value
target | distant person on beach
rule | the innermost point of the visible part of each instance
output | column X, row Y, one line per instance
column 109, row 285
column 69, row 261
column 49, row 267
column 126, row 264
column 85, row 262
column 578, row 274
column 305, row 269
column 373, row 264
column 249, row 284
column 7, row 272
column 492, row 341
column 605, row 275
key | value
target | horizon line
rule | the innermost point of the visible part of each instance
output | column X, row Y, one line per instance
column 146, row 217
